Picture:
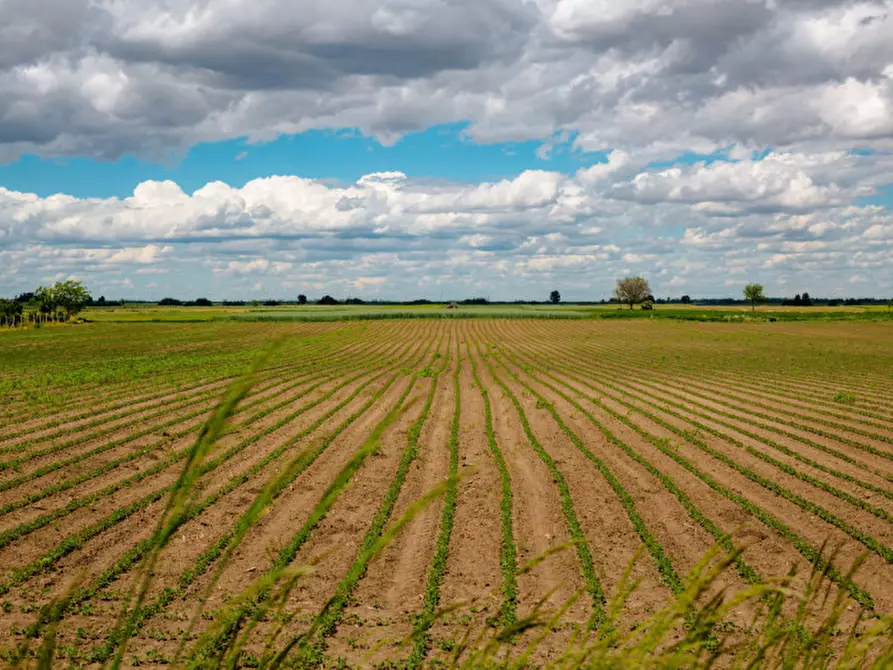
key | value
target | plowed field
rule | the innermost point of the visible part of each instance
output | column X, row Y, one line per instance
column 611, row 441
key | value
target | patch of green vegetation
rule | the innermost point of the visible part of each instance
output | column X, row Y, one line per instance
column 507, row 550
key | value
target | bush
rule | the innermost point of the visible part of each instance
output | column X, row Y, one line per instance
column 10, row 309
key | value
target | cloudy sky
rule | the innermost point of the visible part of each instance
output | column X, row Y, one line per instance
column 446, row 148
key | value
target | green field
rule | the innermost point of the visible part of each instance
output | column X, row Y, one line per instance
column 408, row 491
column 364, row 312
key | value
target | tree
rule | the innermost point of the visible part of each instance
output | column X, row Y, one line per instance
column 805, row 300
column 69, row 296
column 327, row 300
column 685, row 300
column 45, row 299
column 555, row 297
column 10, row 310
column 754, row 294
column 632, row 290
column 302, row 299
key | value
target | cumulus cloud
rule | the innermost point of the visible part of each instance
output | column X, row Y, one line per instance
column 145, row 77
column 403, row 237
column 792, row 100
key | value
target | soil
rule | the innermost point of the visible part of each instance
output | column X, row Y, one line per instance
column 594, row 376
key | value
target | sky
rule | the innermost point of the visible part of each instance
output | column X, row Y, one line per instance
column 398, row 149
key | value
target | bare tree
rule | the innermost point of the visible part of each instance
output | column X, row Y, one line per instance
column 754, row 293
column 632, row 290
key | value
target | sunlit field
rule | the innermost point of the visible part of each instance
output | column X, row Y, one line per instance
column 418, row 491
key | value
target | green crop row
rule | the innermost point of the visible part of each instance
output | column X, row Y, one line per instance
column 747, row 573
column 74, row 541
column 574, row 530
column 438, row 566
column 299, row 464
column 225, row 637
column 747, row 407
column 127, row 458
column 799, row 391
column 507, row 550
column 329, row 618
column 318, row 355
column 661, row 561
column 711, row 413
column 9, row 536
column 811, row 553
column 687, row 411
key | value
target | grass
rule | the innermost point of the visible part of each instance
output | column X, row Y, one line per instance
column 370, row 312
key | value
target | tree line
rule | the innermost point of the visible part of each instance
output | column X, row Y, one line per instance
column 63, row 300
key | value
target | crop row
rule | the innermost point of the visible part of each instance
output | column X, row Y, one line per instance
column 76, row 540
column 438, row 566
column 225, row 637
column 318, row 357
column 779, row 413
column 133, row 413
column 571, row 368
column 149, row 449
column 25, row 528
column 689, row 409
column 507, row 550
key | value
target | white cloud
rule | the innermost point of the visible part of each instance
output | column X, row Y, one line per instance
column 663, row 75
column 641, row 82
column 387, row 233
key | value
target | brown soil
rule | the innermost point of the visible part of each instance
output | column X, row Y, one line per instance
column 586, row 362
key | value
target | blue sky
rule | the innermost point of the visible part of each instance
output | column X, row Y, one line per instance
column 440, row 152
column 417, row 149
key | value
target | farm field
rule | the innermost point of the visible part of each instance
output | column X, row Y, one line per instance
column 147, row 312
column 629, row 447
